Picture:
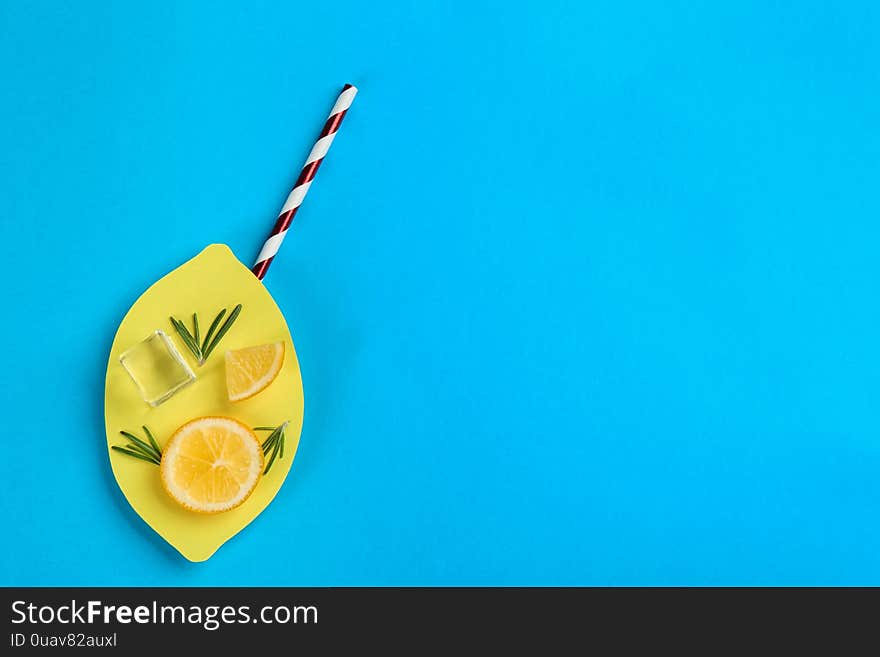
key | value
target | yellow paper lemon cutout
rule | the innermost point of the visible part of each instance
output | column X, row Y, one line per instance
column 213, row 280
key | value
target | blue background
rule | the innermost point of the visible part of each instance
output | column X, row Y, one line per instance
column 585, row 293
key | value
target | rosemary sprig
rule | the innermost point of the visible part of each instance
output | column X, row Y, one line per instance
column 214, row 326
column 274, row 443
column 140, row 449
column 201, row 349
column 185, row 335
column 137, row 455
column 152, row 440
column 222, row 331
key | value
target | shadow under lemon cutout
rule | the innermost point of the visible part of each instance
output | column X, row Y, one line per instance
column 250, row 359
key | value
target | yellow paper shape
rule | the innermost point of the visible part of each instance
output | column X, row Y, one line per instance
column 213, row 280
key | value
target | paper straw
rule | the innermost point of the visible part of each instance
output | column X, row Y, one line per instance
column 304, row 181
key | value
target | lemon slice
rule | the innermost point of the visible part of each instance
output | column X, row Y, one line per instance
column 211, row 464
column 251, row 370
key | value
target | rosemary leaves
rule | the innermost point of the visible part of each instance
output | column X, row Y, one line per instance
column 141, row 449
column 201, row 349
column 274, row 443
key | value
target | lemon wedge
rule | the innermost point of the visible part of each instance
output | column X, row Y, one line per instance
column 251, row 370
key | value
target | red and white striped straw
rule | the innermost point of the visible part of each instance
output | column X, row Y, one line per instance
column 304, row 181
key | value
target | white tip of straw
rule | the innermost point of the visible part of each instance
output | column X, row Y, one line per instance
column 344, row 100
